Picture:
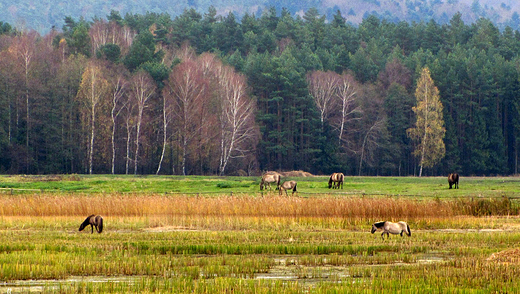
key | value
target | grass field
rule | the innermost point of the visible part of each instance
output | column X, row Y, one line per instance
column 168, row 234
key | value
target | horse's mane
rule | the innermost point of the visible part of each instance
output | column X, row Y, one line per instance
column 87, row 220
column 379, row 224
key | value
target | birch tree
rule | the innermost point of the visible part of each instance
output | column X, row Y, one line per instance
column 237, row 126
column 118, row 86
column 91, row 95
column 142, row 89
column 23, row 51
column 322, row 86
column 168, row 115
column 186, row 87
column 429, row 131
column 346, row 92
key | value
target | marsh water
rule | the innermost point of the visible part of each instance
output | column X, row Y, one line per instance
column 286, row 268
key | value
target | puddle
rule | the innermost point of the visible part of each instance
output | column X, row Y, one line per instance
column 37, row 286
column 286, row 268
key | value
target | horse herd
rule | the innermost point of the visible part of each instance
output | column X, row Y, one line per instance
column 335, row 182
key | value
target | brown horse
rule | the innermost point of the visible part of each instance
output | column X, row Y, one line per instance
column 336, row 180
column 94, row 221
column 268, row 178
column 453, row 179
column 288, row 185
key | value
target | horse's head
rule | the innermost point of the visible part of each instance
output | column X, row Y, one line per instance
column 82, row 226
column 378, row 225
column 330, row 182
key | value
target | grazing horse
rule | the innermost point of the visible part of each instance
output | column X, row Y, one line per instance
column 94, row 221
column 288, row 185
column 335, row 180
column 268, row 178
column 453, row 179
column 390, row 227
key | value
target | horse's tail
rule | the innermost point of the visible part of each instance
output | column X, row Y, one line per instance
column 279, row 178
column 294, row 189
column 100, row 225
column 408, row 231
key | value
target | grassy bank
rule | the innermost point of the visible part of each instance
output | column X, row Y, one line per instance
column 435, row 187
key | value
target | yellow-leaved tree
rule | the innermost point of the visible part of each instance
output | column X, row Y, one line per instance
column 428, row 133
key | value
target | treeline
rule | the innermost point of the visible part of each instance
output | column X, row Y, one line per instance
column 206, row 94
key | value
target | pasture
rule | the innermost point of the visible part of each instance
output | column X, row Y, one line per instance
column 222, row 235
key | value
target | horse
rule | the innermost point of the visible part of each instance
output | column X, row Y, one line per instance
column 453, row 179
column 268, row 178
column 390, row 227
column 94, row 221
column 288, row 185
column 335, row 180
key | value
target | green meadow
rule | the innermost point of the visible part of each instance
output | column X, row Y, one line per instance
column 172, row 234
column 307, row 186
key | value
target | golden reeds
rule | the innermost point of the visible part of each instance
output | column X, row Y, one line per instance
column 157, row 204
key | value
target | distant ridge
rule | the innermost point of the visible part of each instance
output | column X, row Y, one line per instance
column 45, row 15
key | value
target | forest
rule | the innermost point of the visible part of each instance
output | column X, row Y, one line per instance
column 213, row 95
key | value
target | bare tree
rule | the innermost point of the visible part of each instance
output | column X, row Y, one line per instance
column 347, row 88
column 23, row 47
column 186, row 87
column 142, row 89
column 128, row 112
column 371, row 139
column 168, row 116
column 118, row 85
column 322, row 86
column 102, row 32
column 237, row 125
column 91, row 94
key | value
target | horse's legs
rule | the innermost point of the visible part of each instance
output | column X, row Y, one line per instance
column 92, row 227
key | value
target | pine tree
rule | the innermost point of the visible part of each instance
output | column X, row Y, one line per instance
column 429, row 128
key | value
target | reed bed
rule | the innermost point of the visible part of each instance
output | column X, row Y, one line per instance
column 275, row 206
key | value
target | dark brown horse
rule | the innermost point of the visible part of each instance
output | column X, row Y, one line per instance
column 288, row 185
column 453, row 179
column 336, row 180
column 268, row 178
column 94, row 221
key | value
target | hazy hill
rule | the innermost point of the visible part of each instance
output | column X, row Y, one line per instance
column 44, row 14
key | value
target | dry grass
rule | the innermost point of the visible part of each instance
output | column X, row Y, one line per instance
column 506, row 256
column 156, row 204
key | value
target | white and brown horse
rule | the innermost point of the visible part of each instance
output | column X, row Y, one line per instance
column 288, row 185
column 336, row 180
column 453, row 179
column 391, row 228
column 94, row 221
column 268, row 178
